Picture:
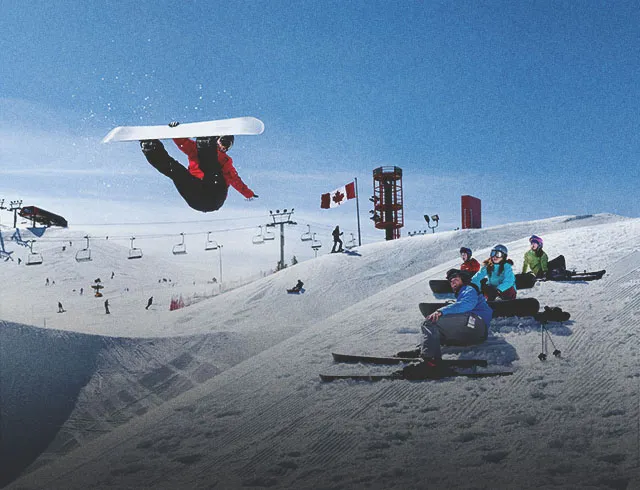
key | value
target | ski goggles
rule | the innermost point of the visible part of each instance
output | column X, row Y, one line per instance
column 497, row 253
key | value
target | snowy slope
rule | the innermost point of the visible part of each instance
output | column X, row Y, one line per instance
column 207, row 419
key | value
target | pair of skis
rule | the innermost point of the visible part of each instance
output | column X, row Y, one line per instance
column 446, row 368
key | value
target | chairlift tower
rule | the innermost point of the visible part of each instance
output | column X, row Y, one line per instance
column 281, row 218
column 15, row 207
column 387, row 213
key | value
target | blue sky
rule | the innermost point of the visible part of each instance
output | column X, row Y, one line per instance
column 531, row 106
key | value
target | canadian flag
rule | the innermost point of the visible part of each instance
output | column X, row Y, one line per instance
column 337, row 197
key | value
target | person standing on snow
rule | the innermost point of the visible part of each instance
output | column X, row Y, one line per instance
column 465, row 322
column 106, row 307
column 469, row 264
column 204, row 185
column 336, row 239
column 536, row 259
column 149, row 303
column 496, row 278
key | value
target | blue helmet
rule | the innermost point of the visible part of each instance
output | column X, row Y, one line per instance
column 499, row 248
column 465, row 250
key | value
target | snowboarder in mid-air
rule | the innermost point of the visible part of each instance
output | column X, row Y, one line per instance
column 204, row 185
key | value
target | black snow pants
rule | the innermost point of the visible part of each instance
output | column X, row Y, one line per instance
column 206, row 194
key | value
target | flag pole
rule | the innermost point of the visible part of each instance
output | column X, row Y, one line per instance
column 358, row 211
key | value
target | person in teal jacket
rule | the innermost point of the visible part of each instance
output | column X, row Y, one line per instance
column 496, row 278
column 536, row 259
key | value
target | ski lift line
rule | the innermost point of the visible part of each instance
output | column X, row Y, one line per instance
column 138, row 236
column 140, row 223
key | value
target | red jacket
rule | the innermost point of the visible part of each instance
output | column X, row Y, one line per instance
column 188, row 147
column 471, row 265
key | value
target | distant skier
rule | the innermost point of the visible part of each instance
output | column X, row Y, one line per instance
column 149, row 303
column 336, row 239
column 205, row 184
column 60, row 308
column 496, row 279
column 297, row 288
column 469, row 264
column 106, row 306
column 536, row 259
column 465, row 322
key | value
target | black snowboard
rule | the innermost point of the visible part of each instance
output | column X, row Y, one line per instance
column 513, row 307
column 295, row 291
column 576, row 276
column 442, row 286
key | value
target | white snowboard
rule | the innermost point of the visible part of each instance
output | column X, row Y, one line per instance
column 220, row 127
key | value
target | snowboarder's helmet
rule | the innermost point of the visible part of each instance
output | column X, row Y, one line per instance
column 465, row 250
column 499, row 251
column 226, row 141
column 536, row 239
column 463, row 275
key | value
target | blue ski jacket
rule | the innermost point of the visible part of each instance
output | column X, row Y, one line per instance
column 468, row 300
column 500, row 281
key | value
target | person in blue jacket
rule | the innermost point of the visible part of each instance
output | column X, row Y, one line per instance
column 496, row 278
column 465, row 322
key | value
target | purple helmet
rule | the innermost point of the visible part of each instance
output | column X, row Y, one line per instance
column 536, row 239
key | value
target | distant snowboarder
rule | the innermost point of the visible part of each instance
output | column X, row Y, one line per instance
column 106, row 306
column 149, row 303
column 205, row 184
column 336, row 240
column 297, row 288
column 60, row 308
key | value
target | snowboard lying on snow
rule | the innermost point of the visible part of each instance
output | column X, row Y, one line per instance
column 442, row 286
column 511, row 307
column 576, row 276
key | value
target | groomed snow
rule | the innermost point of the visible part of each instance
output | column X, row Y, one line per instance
column 225, row 393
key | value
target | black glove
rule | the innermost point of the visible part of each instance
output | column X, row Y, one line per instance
column 255, row 196
column 173, row 124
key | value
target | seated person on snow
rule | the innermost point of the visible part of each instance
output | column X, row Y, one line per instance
column 496, row 279
column 469, row 264
column 298, row 287
column 465, row 322
column 536, row 259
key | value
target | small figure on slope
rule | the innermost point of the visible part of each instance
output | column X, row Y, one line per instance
column 204, row 185
column 297, row 288
column 469, row 264
column 336, row 240
column 60, row 308
column 149, row 303
column 496, row 279
column 465, row 322
column 536, row 259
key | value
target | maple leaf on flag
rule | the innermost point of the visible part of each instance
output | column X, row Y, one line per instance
column 338, row 197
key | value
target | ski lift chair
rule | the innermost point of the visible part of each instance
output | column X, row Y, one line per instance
column 180, row 248
column 84, row 255
column 134, row 253
column 269, row 235
column 315, row 244
column 259, row 238
column 306, row 236
column 210, row 244
column 34, row 258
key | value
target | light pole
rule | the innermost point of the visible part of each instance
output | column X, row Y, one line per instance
column 435, row 219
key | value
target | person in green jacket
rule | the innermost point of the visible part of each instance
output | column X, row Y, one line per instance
column 536, row 259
